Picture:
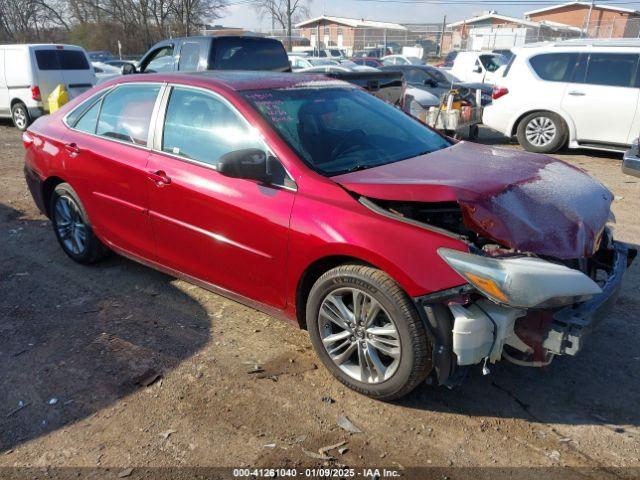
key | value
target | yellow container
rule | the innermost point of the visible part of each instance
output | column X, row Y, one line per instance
column 58, row 98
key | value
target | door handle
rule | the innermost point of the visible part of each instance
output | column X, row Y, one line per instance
column 576, row 93
column 159, row 177
column 72, row 148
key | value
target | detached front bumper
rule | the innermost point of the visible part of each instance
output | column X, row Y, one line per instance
column 571, row 325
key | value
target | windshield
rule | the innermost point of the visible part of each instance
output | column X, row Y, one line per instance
column 491, row 63
column 339, row 130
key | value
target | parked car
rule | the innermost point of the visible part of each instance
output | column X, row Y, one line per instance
column 367, row 62
column 213, row 53
column 300, row 63
column 569, row 94
column 401, row 60
column 373, row 52
column 435, row 82
column 448, row 59
column 101, row 56
column 507, row 53
column 478, row 67
column 631, row 160
column 105, row 72
column 403, row 253
column 29, row 73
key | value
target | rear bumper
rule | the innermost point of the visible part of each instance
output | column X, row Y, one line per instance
column 497, row 118
column 34, row 182
column 631, row 161
column 571, row 325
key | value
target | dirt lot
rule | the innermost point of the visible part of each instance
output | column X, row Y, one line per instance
column 92, row 338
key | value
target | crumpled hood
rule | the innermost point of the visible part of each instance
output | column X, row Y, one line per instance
column 525, row 201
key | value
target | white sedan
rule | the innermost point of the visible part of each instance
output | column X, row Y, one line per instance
column 401, row 60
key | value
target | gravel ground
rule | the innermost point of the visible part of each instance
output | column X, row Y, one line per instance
column 117, row 366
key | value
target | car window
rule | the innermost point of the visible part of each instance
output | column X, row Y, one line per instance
column 73, row 118
column 238, row 53
column 492, row 62
column 554, row 67
column 161, row 61
column 201, row 127
column 415, row 75
column 189, row 56
column 89, row 120
column 61, row 60
column 126, row 113
column 616, row 70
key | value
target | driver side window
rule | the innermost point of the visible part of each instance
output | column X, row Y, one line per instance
column 161, row 61
column 200, row 127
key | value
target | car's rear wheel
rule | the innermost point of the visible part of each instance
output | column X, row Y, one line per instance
column 367, row 332
column 20, row 116
column 542, row 132
column 72, row 228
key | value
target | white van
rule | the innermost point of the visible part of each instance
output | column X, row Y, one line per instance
column 29, row 73
column 478, row 67
column 582, row 93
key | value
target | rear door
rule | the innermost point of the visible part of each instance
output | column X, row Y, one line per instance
column 603, row 98
column 107, row 151
column 68, row 66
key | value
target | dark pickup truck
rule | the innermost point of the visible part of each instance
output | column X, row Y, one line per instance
column 194, row 54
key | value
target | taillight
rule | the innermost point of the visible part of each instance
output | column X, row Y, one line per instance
column 35, row 93
column 27, row 139
column 499, row 92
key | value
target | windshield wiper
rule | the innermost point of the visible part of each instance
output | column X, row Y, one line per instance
column 357, row 167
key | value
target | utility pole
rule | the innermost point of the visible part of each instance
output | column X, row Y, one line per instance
column 444, row 26
column 586, row 30
column 289, row 24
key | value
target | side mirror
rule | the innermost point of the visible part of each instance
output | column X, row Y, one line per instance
column 128, row 68
column 249, row 163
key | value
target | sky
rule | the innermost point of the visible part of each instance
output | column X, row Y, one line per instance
column 245, row 16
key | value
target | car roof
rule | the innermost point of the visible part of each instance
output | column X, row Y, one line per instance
column 237, row 80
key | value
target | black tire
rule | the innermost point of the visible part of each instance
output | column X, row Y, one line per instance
column 415, row 349
column 20, row 116
column 92, row 249
column 557, row 141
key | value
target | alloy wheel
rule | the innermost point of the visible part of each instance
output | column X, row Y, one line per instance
column 70, row 225
column 359, row 335
column 20, row 117
column 540, row 131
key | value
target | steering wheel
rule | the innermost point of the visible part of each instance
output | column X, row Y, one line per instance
column 355, row 138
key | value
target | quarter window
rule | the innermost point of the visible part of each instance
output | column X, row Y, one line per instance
column 126, row 113
column 554, row 67
column 200, row 127
column 88, row 121
column 616, row 70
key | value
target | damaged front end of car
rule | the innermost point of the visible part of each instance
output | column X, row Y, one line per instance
column 541, row 268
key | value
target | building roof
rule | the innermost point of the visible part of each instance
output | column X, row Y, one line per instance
column 585, row 4
column 487, row 16
column 352, row 22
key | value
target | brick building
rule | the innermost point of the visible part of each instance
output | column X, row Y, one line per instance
column 605, row 21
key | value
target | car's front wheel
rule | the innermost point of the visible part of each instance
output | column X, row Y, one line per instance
column 367, row 332
column 72, row 228
column 542, row 132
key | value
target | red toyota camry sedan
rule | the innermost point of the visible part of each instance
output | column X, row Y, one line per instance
column 405, row 255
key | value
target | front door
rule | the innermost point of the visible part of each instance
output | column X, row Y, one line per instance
column 230, row 232
column 107, row 153
column 603, row 98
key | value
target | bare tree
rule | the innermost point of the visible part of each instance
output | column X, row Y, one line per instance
column 283, row 13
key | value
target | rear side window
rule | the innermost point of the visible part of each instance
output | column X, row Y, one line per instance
column 249, row 54
column 77, row 116
column 61, row 60
column 126, row 113
column 200, row 127
column 615, row 70
column 89, row 120
column 554, row 67
column 189, row 57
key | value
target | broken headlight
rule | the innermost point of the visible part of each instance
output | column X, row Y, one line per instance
column 522, row 282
